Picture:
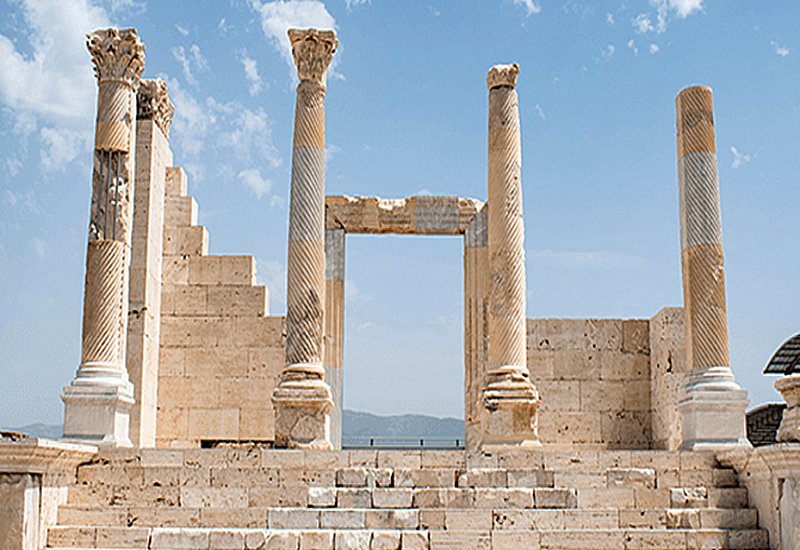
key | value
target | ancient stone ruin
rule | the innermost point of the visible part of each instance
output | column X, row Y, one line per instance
column 197, row 420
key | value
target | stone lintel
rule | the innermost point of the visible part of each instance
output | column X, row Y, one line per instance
column 417, row 215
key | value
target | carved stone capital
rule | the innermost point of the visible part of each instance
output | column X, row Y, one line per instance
column 502, row 75
column 312, row 50
column 118, row 55
column 152, row 103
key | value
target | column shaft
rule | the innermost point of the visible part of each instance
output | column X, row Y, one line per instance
column 97, row 402
column 302, row 399
column 510, row 399
column 712, row 405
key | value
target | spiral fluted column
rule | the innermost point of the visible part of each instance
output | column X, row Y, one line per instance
column 711, row 403
column 510, row 399
column 98, row 401
column 303, row 399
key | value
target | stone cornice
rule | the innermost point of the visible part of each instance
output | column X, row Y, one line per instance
column 34, row 455
column 312, row 51
column 118, row 55
column 502, row 75
column 152, row 103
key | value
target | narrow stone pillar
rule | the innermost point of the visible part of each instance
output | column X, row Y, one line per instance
column 476, row 335
column 510, row 399
column 153, row 155
column 302, row 399
column 334, row 326
column 97, row 403
column 710, row 402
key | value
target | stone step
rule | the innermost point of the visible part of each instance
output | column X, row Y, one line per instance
column 200, row 300
column 180, row 211
column 382, row 539
column 222, row 270
column 186, row 241
column 409, row 518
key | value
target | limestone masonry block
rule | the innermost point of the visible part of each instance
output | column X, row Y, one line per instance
column 176, row 181
column 180, row 211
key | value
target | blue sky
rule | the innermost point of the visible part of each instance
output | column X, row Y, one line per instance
column 406, row 114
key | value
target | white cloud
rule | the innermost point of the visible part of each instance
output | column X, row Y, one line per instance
column 610, row 18
column 738, row 158
column 608, row 52
column 539, row 111
column 230, row 127
column 181, row 29
column 47, row 85
column 632, row 46
column 355, row 3
column 642, row 23
column 281, row 15
column 530, row 6
column 685, row 8
column 681, row 8
column 782, row 51
column 251, row 72
column 433, row 11
column 61, row 146
column 193, row 60
column 654, row 49
column 25, row 199
column 255, row 182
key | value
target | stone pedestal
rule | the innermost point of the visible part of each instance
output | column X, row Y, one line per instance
column 303, row 399
column 711, row 404
column 509, row 397
column 97, row 403
column 789, row 386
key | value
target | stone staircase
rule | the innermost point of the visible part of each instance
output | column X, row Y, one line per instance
column 255, row 497
column 218, row 345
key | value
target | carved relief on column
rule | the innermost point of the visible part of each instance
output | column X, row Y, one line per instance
column 510, row 399
column 152, row 103
column 302, row 398
column 711, row 403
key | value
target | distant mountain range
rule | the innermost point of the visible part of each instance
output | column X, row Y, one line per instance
column 356, row 426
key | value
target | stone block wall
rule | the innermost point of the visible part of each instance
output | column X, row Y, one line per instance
column 593, row 376
column 220, row 353
column 668, row 367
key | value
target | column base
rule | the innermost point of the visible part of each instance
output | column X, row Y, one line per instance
column 511, row 423
column 712, row 408
column 302, row 407
column 97, row 415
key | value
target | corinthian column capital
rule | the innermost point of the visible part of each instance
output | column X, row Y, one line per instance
column 117, row 55
column 312, row 51
column 152, row 103
column 502, row 75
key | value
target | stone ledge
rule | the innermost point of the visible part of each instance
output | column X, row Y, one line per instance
column 37, row 456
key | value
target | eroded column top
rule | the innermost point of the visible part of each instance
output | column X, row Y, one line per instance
column 694, row 108
column 312, row 50
column 152, row 103
column 118, row 55
column 502, row 75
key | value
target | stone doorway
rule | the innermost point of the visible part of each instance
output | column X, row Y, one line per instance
column 419, row 215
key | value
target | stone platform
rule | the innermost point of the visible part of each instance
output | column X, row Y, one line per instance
column 253, row 497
